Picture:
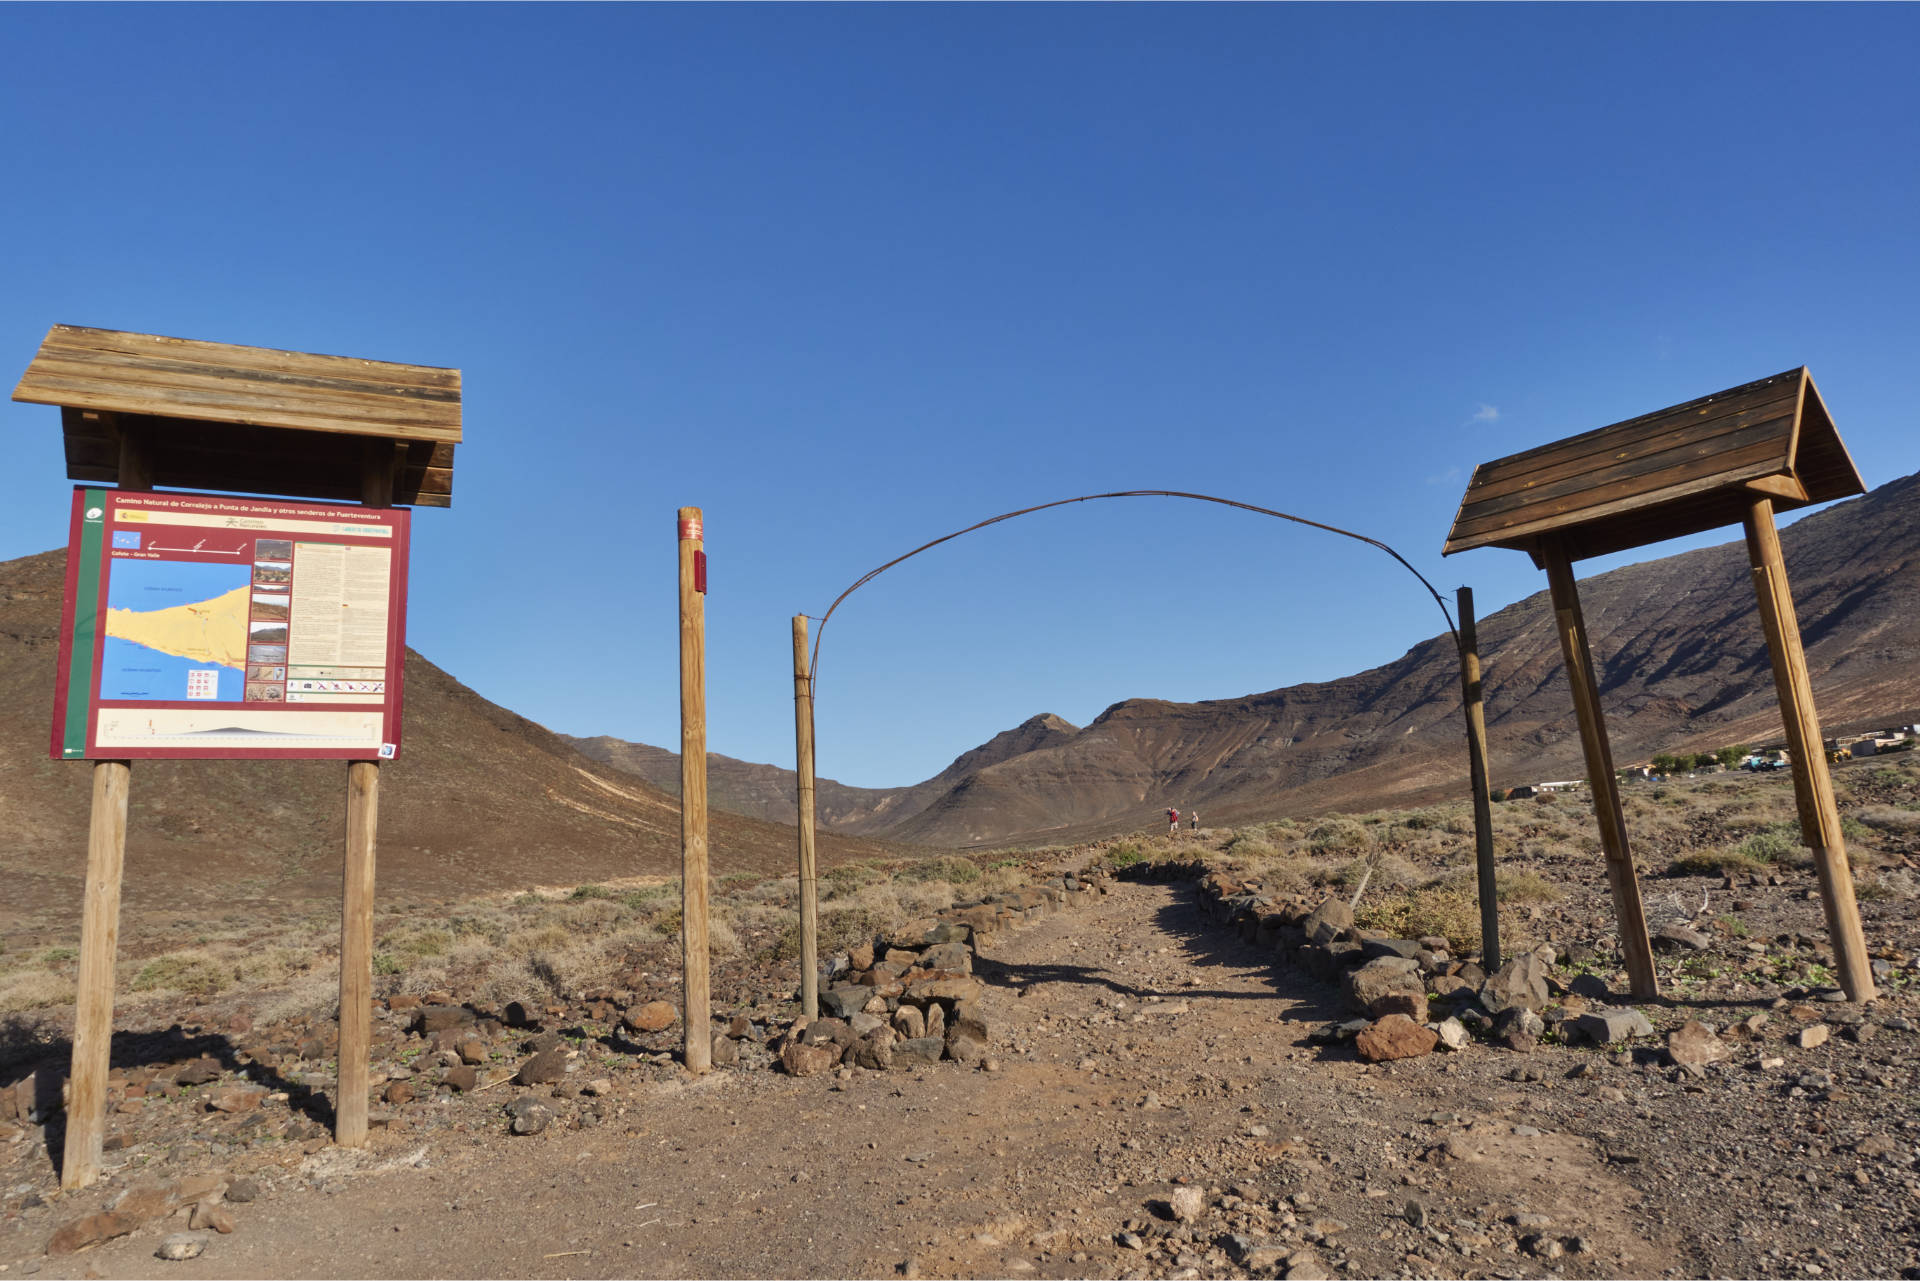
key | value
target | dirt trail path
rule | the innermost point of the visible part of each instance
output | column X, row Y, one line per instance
column 1139, row 1045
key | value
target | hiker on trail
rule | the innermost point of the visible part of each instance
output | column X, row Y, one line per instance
column 1173, row 822
column 1193, row 820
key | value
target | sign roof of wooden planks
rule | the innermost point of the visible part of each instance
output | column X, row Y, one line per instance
column 247, row 419
column 1662, row 475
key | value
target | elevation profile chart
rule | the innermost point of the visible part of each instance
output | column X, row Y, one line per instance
column 198, row 625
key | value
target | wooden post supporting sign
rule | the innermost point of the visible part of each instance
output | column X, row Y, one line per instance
column 100, row 925
column 357, row 881
column 356, row 953
column 1625, row 886
column 93, row 1002
column 698, row 1053
column 1477, row 771
column 803, row 782
column 1812, row 784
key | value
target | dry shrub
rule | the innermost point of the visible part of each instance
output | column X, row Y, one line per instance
column 1893, row 883
column 848, row 879
column 1251, row 844
column 542, row 938
column 1443, row 908
column 946, row 867
column 193, row 972
column 1284, row 874
column 315, row 992
column 34, row 990
column 841, row 926
column 419, row 941
column 775, row 889
column 999, row 880
column 1888, row 818
column 1715, row 861
column 667, row 891
column 1390, row 871
column 1337, row 834
column 721, row 938
column 1525, row 887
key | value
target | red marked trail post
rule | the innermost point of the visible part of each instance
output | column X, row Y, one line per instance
column 214, row 627
column 693, row 792
column 1730, row 458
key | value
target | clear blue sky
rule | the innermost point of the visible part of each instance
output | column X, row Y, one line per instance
column 851, row 277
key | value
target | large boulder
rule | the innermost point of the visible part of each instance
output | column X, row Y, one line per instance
column 873, row 1051
column 1608, row 1027
column 844, row 1002
column 918, row 1051
column 808, row 1060
column 948, row 956
column 1693, row 1045
column 543, row 1068
column 528, row 1115
column 1395, row 1037
column 1519, row 1029
column 1329, row 921
column 1519, row 984
column 1387, row 985
column 654, row 1016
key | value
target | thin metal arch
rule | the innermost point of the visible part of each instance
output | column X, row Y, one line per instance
column 813, row 660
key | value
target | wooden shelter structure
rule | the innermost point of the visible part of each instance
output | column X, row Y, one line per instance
column 1738, row 455
column 140, row 411
column 207, row 415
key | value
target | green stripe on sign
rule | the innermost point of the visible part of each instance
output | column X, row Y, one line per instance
column 86, row 621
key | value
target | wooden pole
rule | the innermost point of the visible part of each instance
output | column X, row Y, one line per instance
column 93, row 1002
column 1477, row 770
column 356, row 890
column 1812, row 784
column 803, row 776
column 1627, row 911
column 693, row 791
column 356, row 953
column 100, row 920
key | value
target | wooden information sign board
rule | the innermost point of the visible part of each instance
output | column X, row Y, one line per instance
column 207, row 626
column 210, row 627
column 1736, row 456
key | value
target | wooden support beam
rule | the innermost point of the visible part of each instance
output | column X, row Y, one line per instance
column 696, row 992
column 1812, row 784
column 136, row 463
column 1477, row 772
column 357, row 883
column 1788, row 487
column 1621, row 879
column 356, row 953
column 100, row 917
column 93, row 1002
column 803, row 782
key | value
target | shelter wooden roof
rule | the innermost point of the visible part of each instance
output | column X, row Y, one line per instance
column 251, row 419
column 1662, row 475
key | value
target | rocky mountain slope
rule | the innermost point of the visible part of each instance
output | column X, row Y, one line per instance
column 481, row 799
column 767, row 791
column 1677, row 641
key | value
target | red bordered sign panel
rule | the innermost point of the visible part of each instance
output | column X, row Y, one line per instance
column 206, row 626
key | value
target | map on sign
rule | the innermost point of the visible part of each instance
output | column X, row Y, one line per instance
column 176, row 629
column 206, row 626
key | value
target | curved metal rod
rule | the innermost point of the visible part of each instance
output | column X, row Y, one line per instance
column 813, row 661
